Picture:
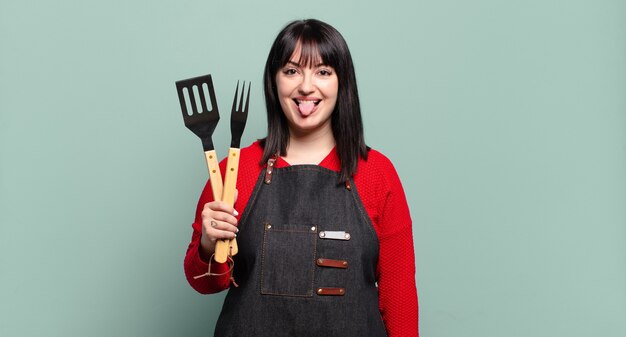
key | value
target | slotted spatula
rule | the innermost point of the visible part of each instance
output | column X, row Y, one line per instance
column 202, row 122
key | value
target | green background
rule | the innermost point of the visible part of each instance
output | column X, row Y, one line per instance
column 506, row 121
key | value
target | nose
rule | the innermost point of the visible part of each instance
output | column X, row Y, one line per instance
column 306, row 85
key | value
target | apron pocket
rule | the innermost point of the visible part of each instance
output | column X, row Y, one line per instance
column 288, row 260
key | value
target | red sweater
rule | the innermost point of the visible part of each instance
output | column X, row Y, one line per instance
column 382, row 195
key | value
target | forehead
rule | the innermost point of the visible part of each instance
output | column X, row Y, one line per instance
column 306, row 55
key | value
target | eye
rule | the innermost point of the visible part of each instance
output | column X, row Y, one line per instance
column 290, row 71
column 325, row 72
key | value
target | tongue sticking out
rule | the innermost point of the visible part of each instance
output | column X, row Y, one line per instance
column 306, row 107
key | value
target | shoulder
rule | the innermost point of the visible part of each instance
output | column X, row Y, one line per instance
column 377, row 167
column 376, row 180
column 377, row 158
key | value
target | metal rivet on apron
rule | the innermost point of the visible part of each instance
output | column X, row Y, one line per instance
column 347, row 236
column 313, row 229
column 322, row 234
column 268, row 226
column 268, row 171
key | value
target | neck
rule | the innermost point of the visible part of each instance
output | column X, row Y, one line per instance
column 309, row 148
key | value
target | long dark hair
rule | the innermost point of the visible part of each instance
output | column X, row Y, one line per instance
column 317, row 40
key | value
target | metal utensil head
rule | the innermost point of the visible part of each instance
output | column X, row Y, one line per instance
column 239, row 115
column 200, row 120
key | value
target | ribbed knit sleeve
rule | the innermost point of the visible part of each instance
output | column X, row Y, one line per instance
column 382, row 194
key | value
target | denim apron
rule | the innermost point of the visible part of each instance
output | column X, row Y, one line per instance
column 307, row 260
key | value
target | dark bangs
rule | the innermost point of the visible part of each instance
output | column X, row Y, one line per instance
column 316, row 48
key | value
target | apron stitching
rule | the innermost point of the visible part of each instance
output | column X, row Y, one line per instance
column 358, row 220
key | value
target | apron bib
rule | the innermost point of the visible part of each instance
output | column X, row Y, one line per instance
column 307, row 260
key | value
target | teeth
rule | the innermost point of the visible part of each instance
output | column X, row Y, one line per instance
column 307, row 101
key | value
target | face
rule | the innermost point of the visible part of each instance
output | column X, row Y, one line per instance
column 307, row 95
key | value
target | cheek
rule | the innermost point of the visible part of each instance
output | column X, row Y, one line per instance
column 283, row 92
column 282, row 87
column 332, row 91
column 283, row 95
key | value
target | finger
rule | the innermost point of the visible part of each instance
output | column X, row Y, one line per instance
column 222, row 235
column 221, row 206
column 215, row 225
column 215, row 211
column 218, row 233
column 223, row 216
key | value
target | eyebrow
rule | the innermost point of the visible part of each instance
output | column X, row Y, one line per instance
column 298, row 64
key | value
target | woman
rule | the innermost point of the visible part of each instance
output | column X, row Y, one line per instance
column 321, row 220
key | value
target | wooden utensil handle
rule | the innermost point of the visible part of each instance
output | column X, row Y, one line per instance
column 221, row 251
column 215, row 176
column 230, row 187
column 223, row 248
column 217, row 185
column 230, row 178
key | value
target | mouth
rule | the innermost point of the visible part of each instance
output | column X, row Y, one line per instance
column 306, row 106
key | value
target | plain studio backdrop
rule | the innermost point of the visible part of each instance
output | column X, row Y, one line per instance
column 506, row 121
